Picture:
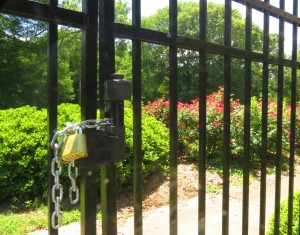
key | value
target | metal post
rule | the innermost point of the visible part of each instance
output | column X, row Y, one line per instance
column 202, row 120
column 293, row 123
column 226, row 135
column 88, row 100
column 173, row 120
column 107, row 68
column 52, row 108
column 137, row 122
column 247, row 114
column 279, row 124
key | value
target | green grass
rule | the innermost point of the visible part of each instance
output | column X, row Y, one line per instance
column 22, row 223
column 18, row 221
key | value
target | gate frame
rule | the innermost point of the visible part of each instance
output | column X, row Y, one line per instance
column 108, row 31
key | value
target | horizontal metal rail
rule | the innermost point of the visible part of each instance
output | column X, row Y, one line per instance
column 44, row 12
column 274, row 11
column 151, row 36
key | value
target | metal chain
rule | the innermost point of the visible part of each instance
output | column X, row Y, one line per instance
column 57, row 188
column 96, row 123
column 73, row 188
column 56, row 167
column 57, row 194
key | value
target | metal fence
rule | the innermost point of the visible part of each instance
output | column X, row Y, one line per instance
column 106, row 30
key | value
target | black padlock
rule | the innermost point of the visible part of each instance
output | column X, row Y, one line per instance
column 104, row 146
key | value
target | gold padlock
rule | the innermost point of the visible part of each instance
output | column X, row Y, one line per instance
column 73, row 147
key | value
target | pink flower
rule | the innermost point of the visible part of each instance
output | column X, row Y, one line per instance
column 166, row 102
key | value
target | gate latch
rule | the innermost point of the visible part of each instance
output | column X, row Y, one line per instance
column 105, row 138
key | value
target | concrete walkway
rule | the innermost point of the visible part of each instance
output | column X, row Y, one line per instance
column 157, row 221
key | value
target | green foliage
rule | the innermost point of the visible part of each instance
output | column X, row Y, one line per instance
column 155, row 148
column 23, row 152
column 122, row 11
column 23, row 59
column 284, row 215
column 155, row 57
column 14, row 45
column 23, row 160
column 23, row 62
column 188, row 125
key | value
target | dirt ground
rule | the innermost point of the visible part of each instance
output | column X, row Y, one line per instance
column 156, row 193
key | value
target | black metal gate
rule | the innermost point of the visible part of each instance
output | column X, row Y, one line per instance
column 108, row 30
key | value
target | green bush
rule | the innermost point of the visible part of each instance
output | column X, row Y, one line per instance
column 188, row 125
column 155, row 148
column 283, row 227
column 23, row 152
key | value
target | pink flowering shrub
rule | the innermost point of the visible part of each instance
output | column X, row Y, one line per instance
column 188, row 125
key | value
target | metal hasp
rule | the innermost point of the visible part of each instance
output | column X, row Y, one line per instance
column 106, row 143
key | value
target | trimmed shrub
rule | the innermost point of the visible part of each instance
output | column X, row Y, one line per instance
column 23, row 151
column 188, row 125
column 155, row 148
column 283, row 224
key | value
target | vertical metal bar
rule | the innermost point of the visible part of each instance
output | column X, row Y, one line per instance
column 52, row 107
column 137, row 139
column 279, row 124
column 107, row 67
column 108, row 200
column 137, row 122
column 88, row 100
column 247, row 113
column 226, row 133
column 264, row 137
column 173, row 119
column 293, row 122
column 88, row 193
column 202, row 120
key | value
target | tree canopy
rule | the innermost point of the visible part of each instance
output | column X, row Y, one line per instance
column 23, row 58
column 155, row 57
column 23, row 62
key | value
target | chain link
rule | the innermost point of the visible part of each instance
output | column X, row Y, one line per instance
column 73, row 188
